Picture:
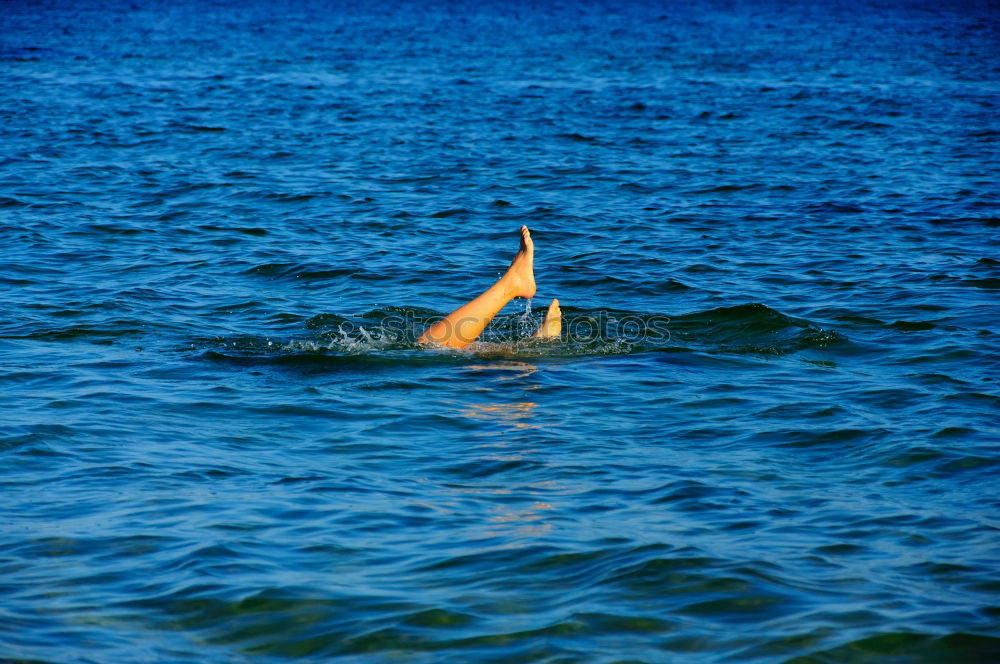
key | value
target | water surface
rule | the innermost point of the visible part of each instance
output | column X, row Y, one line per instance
column 770, row 433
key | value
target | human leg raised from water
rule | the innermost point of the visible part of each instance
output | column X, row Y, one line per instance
column 552, row 325
column 462, row 326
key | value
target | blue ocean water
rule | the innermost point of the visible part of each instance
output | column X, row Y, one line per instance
column 769, row 432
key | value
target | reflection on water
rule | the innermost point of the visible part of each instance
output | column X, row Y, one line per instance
column 521, row 521
column 515, row 414
column 507, row 519
column 509, row 370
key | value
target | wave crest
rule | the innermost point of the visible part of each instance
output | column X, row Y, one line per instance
column 747, row 329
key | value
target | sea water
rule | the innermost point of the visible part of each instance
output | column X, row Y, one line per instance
column 768, row 433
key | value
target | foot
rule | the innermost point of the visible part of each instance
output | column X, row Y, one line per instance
column 552, row 325
column 520, row 276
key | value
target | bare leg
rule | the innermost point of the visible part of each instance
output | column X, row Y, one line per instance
column 552, row 325
column 462, row 326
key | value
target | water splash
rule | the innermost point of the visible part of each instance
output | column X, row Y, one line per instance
column 749, row 329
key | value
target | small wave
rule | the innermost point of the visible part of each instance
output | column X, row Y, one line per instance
column 752, row 329
column 989, row 283
column 196, row 128
column 389, row 334
column 93, row 334
column 915, row 647
column 7, row 201
column 831, row 207
column 913, row 326
column 578, row 138
column 988, row 221
column 257, row 232
column 637, row 188
column 444, row 214
column 861, row 125
column 296, row 271
column 285, row 197
column 727, row 188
